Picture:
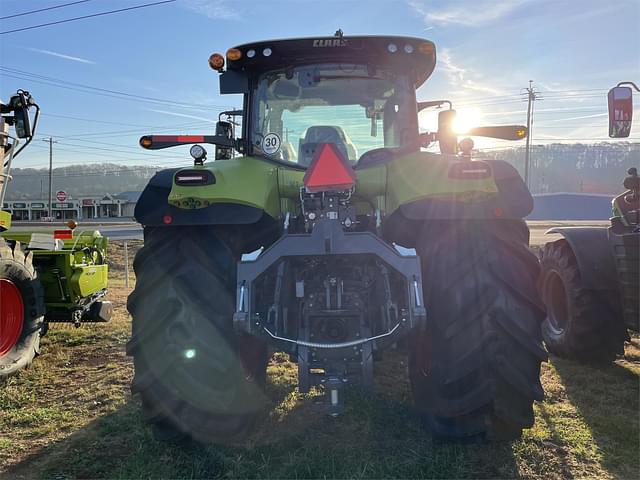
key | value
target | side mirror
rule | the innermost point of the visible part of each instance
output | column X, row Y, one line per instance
column 632, row 182
column 22, row 123
column 620, row 112
column 224, row 129
column 447, row 138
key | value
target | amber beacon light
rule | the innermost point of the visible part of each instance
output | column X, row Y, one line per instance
column 216, row 61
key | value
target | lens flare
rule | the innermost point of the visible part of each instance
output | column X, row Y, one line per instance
column 466, row 119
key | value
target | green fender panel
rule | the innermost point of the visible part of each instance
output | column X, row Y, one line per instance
column 424, row 175
column 242, row 181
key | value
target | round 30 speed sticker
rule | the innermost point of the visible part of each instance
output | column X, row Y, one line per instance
column 270, row 143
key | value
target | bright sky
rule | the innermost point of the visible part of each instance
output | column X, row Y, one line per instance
column 488, row 50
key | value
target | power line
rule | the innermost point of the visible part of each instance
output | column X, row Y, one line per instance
column 44, row 9
column 555, row 95
column 138, row 149
column 85, row 16
column 113, row 154
column 90, row 150
column 93, row 120
column 78, row 87
column 123, row 133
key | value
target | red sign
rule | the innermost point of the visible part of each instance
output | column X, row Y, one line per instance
column 329, row 171
column 61, row 195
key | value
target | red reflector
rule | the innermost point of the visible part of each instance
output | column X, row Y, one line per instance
column 470, row 170
column 167, row 219
column 329, row 171
column 63, row 234
column 498, row 212
column 178, row 138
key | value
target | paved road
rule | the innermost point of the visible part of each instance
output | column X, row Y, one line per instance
column 124, row 235
column 112, row 230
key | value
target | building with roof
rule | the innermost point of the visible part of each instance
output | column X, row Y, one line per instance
column 121, row 205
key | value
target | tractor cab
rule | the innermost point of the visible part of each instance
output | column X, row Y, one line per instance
column 357, row 93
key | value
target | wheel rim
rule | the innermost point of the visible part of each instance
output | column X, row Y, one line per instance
column 556, row 301
column 11, row 315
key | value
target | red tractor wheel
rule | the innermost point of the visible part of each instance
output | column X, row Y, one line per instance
column 21, row 309
column 11, row 315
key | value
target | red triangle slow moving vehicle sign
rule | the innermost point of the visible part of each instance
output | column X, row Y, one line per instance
column 329, row 171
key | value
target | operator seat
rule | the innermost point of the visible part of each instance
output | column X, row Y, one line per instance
column 318, row 134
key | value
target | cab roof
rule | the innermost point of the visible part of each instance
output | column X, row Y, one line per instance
column 409, row 54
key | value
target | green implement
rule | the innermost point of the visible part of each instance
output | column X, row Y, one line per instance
column 48, row 276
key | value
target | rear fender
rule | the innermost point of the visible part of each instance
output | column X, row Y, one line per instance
column 502, row 196
column 593, row 255
column 153, row 207
column 420, row 188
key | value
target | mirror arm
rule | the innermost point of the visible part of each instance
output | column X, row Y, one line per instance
column 433, row 103
column 629, row 83
column 230, row 113
column 33, row 129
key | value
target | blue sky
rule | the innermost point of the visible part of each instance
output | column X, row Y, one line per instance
column 488, row 50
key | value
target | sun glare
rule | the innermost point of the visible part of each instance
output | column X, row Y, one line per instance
column 467, row 118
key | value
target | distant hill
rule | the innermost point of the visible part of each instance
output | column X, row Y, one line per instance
column 587, row 168
column 78, row 180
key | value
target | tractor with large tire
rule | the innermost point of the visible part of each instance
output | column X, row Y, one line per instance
column 590, row 280
column 290, row 241
column 48, row 276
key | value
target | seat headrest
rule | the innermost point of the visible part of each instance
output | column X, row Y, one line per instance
column 324, row 134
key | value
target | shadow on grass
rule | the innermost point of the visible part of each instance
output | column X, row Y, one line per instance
column 606, row 397
column 377, row 437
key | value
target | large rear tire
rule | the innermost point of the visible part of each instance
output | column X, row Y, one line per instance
column 21, row 309
column 475, row 371
column 195, row 376
column 581, row 324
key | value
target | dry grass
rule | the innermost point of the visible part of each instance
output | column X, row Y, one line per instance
column 71, row 416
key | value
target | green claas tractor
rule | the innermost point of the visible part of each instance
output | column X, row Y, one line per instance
column 298, row 238
column 47, row 276
column 590, row 280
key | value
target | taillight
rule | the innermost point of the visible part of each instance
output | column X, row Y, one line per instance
column 470, row 170
column 194, row 177
column 329, row 171
column 63, row 234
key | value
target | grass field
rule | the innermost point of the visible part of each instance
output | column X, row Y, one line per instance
column 71, row 416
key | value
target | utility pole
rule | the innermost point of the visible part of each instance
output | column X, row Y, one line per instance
column 51, row 142
column 532, row 96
